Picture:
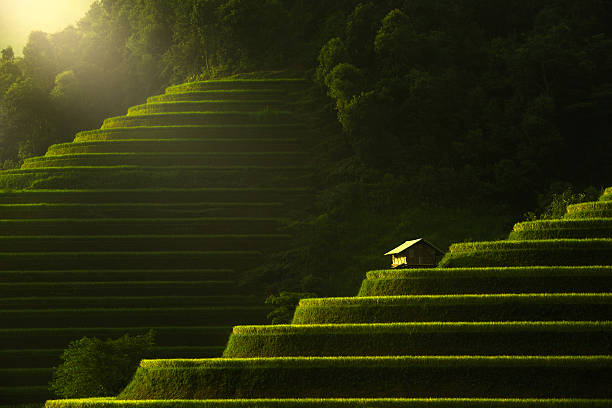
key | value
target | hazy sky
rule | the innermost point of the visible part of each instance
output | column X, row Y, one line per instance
column 19, row 17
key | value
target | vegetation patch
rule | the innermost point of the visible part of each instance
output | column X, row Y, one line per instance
column 151, row 195
column 528, row 253
column 175, row 145
column 504, row 307
column 266, row 117
column 59, row 337
column 531, row 279
column 225, row 84
column 597, row 209
column 135, row 242
column 210, row 298
column 394, row 339
column 221, row 95
column 337, row 377
column 331, row 403
column 137, row 226
column 117, row 288
column 205, row 106
column 128, row 260
column 273, row 158
column 117, row 317
column 555, row 229
column 190, row 131
column 141, row 210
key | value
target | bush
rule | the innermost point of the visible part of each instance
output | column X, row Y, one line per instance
column 284, row 305
column 98, row 368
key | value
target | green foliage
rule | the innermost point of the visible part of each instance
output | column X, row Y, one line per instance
column 597, row 209
column 397, row 339
column 8, row 54
column 104, row 317
column 284, row 305
column 450, row 85
column 125, row 259
column 343, row 377
column 57, row 338
column 441, row 281
column 344, row 82
column 556, row 203
column 557, row 228
column 241, row 159
column 455, row 308
column 529, row 253
column 98, row 368
column 271, row 117
column 337, row 403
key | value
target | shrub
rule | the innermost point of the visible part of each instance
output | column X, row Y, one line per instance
column 284, row 305
column 98, row 368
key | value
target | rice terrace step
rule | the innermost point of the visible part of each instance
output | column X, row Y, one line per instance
column 148, row 222
column 523, row 322
column 482, row 334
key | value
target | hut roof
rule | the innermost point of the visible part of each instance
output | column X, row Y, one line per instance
column 408, row 244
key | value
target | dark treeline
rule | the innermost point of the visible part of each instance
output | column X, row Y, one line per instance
column 454, row 117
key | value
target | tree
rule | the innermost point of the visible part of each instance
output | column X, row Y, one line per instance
column 99, row 368
column 8, row 54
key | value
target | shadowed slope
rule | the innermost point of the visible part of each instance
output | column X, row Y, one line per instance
column 531, row 332
column 146, row 223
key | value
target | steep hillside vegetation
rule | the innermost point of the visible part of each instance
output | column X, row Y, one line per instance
column 147, row 223
column 490, row 332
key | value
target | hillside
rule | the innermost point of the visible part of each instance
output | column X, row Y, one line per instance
column 146, row 223
column 514, row 323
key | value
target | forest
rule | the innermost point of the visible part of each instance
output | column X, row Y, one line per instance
column 448, row 120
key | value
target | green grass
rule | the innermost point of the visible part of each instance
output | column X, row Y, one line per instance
column 395, row 339
column 333, row 403
column 80, row 177
column 175, row 275
column 206, row 297
column 555, row 229
column 191, row 132
column 8, row 395
column 266, row 117
column 597, row 209
column 140, row 226
column 182, row 242
column 152, row 195
column 567, row 252
column 33, row 358
column 24, row 376
column 457, row 308
column 166, row 335
column 206, row 106
column 220, row 95
column 141, row 210
column 176, row 145
column 367, row 377
column 440, row 281
column 129, row 260
column 230, row 84
column 118, row 288
column 263, row 159
column 538, row 244
column 107, row 317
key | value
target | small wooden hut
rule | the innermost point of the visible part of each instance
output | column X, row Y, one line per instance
column 417, row 253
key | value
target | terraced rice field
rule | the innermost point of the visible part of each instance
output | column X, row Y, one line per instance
column 525, row 322
column 147, row 223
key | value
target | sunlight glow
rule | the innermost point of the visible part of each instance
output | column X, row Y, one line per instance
column 19, row 17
